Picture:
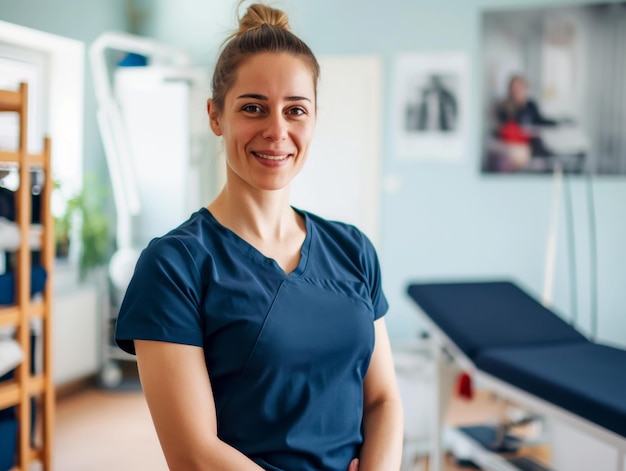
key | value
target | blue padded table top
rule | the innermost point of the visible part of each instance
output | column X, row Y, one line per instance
column 585, row 378
column 480, row 315
column 510, row 335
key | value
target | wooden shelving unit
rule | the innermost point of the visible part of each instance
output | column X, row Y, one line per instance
column 26, row 385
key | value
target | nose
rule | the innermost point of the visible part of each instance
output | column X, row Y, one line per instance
column 276, row 128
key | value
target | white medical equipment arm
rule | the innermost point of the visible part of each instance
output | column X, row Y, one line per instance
column 117, row 149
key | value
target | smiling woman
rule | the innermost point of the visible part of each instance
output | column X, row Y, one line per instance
column 267, row 120
column 282, row 308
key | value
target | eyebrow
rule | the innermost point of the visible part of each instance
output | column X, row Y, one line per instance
column 256, row 96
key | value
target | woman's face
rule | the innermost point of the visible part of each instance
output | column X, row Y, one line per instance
column 268, row 120
column 519, row 90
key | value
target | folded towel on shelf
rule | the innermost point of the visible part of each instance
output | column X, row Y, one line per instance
column 10, row 235
column 7, row 332
column 7, row 285
column 11, row 355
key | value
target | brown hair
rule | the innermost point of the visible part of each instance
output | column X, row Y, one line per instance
column 261, row 29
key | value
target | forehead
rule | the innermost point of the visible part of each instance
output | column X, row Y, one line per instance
column 275, row 73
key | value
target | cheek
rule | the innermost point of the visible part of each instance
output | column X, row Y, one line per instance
column 306, row 135
column 238, row 136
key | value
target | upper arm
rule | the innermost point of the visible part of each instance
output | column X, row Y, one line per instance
column 382, row 409
column 178, row 391
column 380, row 381
column 163, row 299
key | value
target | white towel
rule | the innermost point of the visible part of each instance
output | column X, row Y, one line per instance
column 7, row 332
column 10, row 236
column 11, row 355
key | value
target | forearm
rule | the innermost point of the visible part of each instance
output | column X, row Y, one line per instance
column 214, row 455
column 383, row 435
column 183, row 409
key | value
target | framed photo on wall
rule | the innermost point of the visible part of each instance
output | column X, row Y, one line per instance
column 554, row 92
column 430, row 105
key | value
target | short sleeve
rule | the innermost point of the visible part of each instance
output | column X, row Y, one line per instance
column 374, row 278
column 163, row 297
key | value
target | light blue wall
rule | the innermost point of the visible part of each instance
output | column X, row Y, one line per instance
column 447, row 220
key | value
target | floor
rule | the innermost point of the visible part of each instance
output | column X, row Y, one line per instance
column 98, row 430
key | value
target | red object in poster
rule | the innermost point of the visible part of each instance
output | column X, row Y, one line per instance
column 513, row 133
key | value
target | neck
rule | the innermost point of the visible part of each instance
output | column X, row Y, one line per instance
column 262, row 215
column 262, row 218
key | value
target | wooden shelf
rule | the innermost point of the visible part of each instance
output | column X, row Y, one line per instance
column 25, row 385
column 10, row 390
column 9, row 394
column 37, row 311
column 34, row 455
column 15, row 157
column 10, row 100
column 11, row 315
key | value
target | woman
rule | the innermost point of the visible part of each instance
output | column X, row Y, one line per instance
column 520, row 108
column 282, row 308
column 519, row 116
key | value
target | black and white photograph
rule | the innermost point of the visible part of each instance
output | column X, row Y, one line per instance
column 553, row 90
column 434, row 107
column 430, row 105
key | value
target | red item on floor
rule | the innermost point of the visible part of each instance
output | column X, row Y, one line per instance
column 464, row 386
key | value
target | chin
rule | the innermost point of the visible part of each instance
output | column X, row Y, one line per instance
column 274, row 186
column 274, row 183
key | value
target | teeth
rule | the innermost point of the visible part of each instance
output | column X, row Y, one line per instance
column 272, row 157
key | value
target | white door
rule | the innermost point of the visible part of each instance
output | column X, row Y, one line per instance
column 341, row 179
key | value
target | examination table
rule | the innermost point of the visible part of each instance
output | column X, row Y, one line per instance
column 522, row 350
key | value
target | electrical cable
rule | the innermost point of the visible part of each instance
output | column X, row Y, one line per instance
column 593, row 259
column 571, row 250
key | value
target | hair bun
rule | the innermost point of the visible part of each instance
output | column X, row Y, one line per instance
column 258, row 15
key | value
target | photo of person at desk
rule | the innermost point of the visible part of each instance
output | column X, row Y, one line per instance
column 519, row 111
column 525, row 139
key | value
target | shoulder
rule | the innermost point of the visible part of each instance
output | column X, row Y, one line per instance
column 334, row 228
column 344, row 251
column 531, row 104
column 185, row 246
column 347, row 237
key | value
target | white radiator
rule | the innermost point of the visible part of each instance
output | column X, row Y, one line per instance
column 76, row 328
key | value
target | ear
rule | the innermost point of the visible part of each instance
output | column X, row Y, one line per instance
column 214, row 117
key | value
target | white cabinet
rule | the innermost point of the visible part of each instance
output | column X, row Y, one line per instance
column 413, row 366
column 76, row 332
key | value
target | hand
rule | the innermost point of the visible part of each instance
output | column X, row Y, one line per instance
column 354, row 465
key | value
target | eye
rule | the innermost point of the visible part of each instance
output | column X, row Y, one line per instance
column 296, row 111
column 252, row 108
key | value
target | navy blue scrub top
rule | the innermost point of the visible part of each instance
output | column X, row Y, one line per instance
column 287, row 354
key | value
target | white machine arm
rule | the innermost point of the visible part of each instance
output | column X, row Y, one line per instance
column 115, row 139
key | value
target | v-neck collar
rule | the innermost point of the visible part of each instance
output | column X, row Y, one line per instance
column 257, row 255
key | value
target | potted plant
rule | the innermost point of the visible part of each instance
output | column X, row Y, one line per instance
column 84, row 212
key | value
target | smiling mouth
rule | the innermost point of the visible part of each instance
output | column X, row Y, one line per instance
column 271, row 157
